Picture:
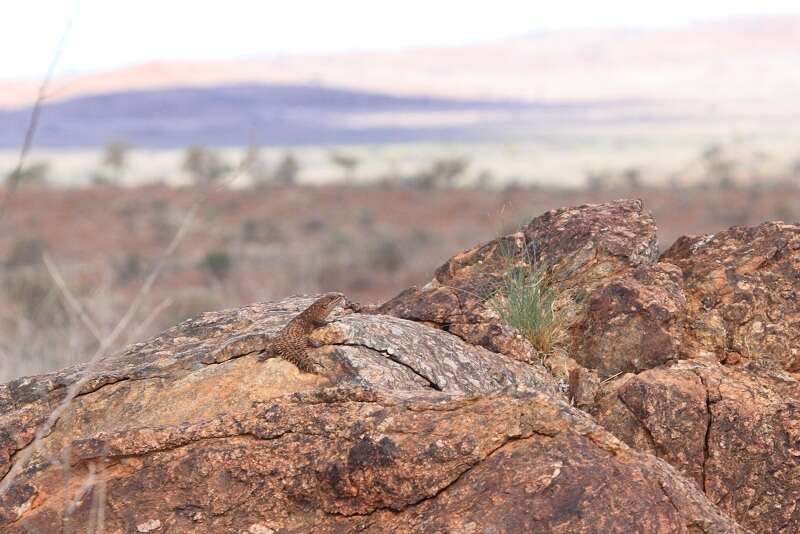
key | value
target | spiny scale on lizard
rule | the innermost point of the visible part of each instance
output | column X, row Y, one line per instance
column 291, row 342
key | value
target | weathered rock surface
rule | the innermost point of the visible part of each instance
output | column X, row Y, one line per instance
column 743, row 286
column 648, row 335
column 576, row 249
column 735, row 431
column 431, row 358
column 434, row 416
column 633, row 322
column 350, row 460
column 411, row 430
column 456, row 298
column 584, row 246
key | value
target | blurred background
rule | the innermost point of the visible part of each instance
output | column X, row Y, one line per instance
column 161, row 159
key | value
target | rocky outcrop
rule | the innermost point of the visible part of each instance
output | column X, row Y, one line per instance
column 338, row 460
column 671, row 406
column 410, row 429
column 743, row 288
column 633, row 322
column 576, row 249
column 456, row 299
column 651, row 340
column 734, row 430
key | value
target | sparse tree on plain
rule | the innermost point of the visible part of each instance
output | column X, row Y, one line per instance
column 34, row 174
column 632, row 178
column 288, row 170
column 115, row 157
column 348, row 163
column 256, row 166
column 443, row 173
column 720, row 168
column 205, row 165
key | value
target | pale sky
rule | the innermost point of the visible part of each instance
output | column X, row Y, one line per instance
column 114, row 33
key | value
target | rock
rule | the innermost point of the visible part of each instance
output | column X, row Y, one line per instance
column 574, row 248
column 734, row 431
column 579, row 247
column 663, row 412
column 646, row 332
column 178, row 361
column 442, row 361
column 432, row 415
column 410, row 430
column 583, row 387
column 345, row 462
column 743, row 289
column 633, row 322
column 456, row 299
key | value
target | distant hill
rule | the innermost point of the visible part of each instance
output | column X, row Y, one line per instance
column 727, row 60
column 737, row 74
column 268, row 114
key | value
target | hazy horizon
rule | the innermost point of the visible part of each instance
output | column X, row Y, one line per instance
column 253, row 31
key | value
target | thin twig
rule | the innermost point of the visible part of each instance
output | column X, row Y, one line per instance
column 75, row 388
column 158, row 310
column 69, row 298
column 99, row 499
column 610, row 378
column 86, row 485
column 16, row 175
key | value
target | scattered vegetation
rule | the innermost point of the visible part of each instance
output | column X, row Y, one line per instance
column 525, row 301
column 115, row 159
column 33, row 293
column 719, row 167
column 384, row 254
column 25, row 251
column 287, row 171
column 348, row 165
column 257, row 167
column 218, row 263
column 369, row 243
column 130, row 268
column 35, row 174
column 205, row 165
column 443, row 173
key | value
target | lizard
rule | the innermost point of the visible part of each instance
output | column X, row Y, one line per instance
column 291, row 342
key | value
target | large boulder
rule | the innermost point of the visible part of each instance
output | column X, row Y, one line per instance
column 734, row 431
column 743, row 289
column 650, row 338
column 632, row 322
column 574, row 249
column 410, row 429
column 671, row 405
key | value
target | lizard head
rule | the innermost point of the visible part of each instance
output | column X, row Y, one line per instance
column 326, row 303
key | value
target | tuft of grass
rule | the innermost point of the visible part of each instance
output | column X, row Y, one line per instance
column 525, row 302
column 218, row 263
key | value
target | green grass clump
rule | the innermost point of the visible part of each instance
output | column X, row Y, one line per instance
column 525, row 302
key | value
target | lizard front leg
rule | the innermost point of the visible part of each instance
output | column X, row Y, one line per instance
column 302, row 360
column 295, row 350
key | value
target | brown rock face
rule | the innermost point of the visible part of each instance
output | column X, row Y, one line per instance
column 743, row 288
column 735, row 431
column 633, row 322
column 730, row 298
column 581, row 247
column 411, row 430
column 663, row 412
column 672, row 406
column 455, row 299
column 575, row 248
